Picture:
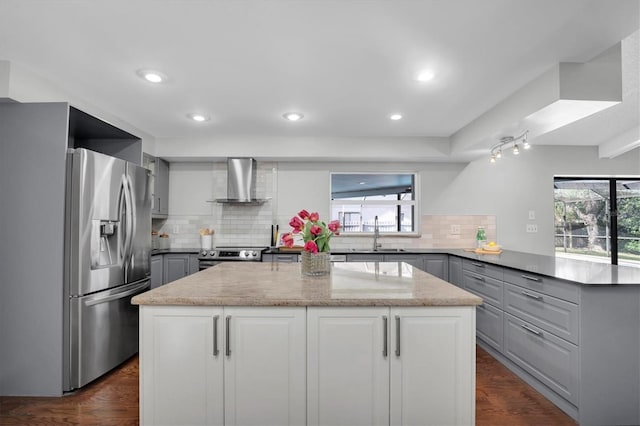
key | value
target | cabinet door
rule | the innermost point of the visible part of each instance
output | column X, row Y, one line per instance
column 265, row 358
column 455, row 271
column 194, row 264
column 489, row 326
column 348, row 369
column 416, row 260
column 162, row 186
column 181, row 377
column 437, row 265
column 551, row 360
column 433, row 366
column 359, row 257
column 176, row 266
column 157, row 271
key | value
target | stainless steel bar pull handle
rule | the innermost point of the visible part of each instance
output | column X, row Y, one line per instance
column 385, row 336
column 397, row 335
column 529, row 277
column 216, row 351
column 227, row 341
column 531, row 330
column 478, row 277
column 479, row 265
column 532, row 296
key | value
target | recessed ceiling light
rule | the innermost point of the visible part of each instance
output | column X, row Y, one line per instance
column 199, row 117
column 152, row 76
column 395, row 117
column 425, row 75
column 293, row 116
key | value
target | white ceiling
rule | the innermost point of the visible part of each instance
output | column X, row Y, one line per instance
column 346, row 64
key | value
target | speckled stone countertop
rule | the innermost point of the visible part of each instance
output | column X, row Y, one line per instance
column 282, row 284
column 175, row 250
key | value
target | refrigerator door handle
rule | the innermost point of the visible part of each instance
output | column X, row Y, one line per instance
column 128, row 226
column 119, row 295
column 132, row 215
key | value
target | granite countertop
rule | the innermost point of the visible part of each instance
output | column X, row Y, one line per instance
column 576, row 271
column 175, row 250
column 281, row 284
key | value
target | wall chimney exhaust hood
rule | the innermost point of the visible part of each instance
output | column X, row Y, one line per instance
column 241, row 182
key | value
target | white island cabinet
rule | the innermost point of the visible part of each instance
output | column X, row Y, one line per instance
column 407, row 366
column 223, row 366
column 253, row 344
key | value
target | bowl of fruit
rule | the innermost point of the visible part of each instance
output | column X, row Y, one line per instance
column 491, row 246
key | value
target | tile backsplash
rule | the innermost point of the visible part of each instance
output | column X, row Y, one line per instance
column 251, row 226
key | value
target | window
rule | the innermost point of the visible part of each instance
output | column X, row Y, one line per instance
column 357, row 198
column 598, row 219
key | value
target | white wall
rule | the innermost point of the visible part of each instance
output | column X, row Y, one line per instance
column 508, row 190
column 511, row 187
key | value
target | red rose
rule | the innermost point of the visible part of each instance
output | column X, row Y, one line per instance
column 314, row 217
column 333, row 226
column 311, row 246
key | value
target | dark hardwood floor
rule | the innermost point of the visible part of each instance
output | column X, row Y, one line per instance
column 501, row 399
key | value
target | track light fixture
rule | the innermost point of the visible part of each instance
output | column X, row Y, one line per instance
column 509, row 142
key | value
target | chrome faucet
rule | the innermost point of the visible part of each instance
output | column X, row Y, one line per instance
column 376, row 234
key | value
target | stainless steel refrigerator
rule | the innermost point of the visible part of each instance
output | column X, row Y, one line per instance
column 107, row 262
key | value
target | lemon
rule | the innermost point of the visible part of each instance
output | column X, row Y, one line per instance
column 492, row 244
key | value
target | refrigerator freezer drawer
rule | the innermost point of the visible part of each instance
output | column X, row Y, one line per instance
column 104, row 332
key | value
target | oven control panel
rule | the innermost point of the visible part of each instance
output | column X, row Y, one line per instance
column 251, row 254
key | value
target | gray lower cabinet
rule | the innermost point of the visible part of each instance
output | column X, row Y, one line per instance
column 551, row 360
column 455, row 271
column 578, row 345
column 435, row 264
column 489, row 320
column 179, row 265
column 280, row 257
column 176, row 266
column 157, row 270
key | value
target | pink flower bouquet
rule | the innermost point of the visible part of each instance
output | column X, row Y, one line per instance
column 316, row 234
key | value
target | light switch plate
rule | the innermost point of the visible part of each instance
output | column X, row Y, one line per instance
column 532, row 215
column 455, row 229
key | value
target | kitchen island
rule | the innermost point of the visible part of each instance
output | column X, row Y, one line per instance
column 258, row 343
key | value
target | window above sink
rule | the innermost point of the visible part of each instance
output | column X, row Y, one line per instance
column 357, row 198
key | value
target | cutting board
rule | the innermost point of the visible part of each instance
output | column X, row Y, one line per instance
column 482, row 251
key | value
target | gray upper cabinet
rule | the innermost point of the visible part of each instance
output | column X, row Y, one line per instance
column 162, row 187
column 159, row 185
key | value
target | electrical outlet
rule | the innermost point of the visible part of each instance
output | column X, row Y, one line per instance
column 532, row 228
column 455, row 229
column 532, row 215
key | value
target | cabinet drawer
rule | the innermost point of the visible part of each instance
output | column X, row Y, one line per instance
column 542, row 284
column 488, row 288
column 483, row 268
column 547, row 312
column 280, row 257
column 551, row 360
column 489, row 325
column 365, row 257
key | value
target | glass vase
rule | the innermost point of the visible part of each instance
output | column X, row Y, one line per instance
column 316, row 264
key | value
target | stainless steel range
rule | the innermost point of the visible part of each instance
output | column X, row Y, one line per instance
column 209, row 258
